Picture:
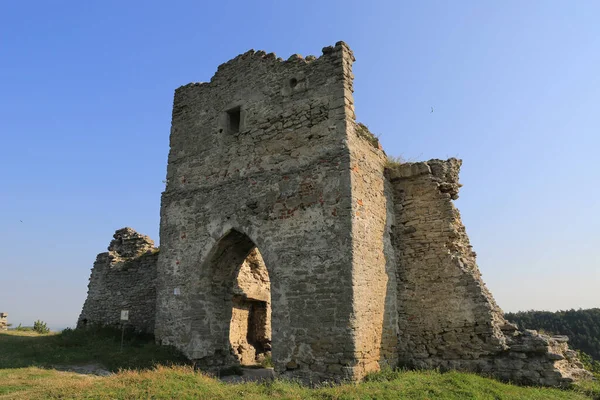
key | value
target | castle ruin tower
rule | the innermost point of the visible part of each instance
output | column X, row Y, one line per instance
column 261, row 157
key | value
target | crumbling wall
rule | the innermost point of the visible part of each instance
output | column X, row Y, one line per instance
column 445, row 311
column 124, row 278
column 447, row 317
column 3, row 321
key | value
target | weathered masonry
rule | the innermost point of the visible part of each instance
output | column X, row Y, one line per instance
column 3, row 321
column 286, row 231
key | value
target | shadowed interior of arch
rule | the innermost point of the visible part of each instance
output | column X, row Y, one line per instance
column 241, row 276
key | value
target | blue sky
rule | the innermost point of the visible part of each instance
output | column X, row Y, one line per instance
column 85, row 104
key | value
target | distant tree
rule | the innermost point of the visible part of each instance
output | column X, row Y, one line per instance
column 40, row 327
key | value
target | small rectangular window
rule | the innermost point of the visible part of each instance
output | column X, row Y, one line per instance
column 233, row 120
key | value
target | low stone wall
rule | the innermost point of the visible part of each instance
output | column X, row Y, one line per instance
column 123, row 279
column 3, row 321
column 447, row 317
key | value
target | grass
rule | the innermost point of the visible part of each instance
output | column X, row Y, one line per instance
column 20, row 349
column 363, row 131
column 267, row 362
column 26, row 360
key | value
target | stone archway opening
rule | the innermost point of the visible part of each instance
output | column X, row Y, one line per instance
column 250, row 325
column 231, row 310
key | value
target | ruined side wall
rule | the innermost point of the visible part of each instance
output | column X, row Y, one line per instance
column 447, row 317
column 445, row 311
column 123, row 278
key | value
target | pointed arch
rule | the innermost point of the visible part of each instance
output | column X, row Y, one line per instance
column 230, row 314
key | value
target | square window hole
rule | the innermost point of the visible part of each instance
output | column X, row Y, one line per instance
column 233, row 120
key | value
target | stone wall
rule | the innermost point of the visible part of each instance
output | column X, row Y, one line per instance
column 259, row 158
column 123, row 279
column 3, row 321
column 373, row 259
column 447, row 317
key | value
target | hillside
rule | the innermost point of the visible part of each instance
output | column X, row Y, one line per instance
column 581, row 326
column 33, row 367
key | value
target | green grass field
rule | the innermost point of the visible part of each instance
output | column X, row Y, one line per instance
column 30, row 363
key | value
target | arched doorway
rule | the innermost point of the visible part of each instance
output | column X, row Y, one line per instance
column 233, row 309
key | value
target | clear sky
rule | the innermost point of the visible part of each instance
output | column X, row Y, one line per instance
column 86, row 90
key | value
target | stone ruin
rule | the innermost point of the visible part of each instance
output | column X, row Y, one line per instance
column 3, row 321
column 286, row 232
column 124, row 278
